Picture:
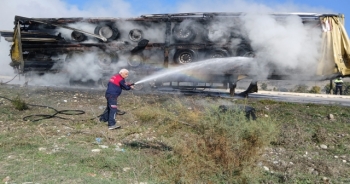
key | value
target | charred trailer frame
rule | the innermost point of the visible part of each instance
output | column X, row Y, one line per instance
column 46, row 44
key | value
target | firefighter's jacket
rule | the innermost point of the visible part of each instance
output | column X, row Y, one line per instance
column 338, row 82
column 115, row 85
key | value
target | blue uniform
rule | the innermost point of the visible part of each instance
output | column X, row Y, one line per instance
column 115, row 86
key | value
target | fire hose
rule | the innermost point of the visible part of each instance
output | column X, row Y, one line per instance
column 9, row 80
column 38, row 117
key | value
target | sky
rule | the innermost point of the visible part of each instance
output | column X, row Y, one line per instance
column 134, row 8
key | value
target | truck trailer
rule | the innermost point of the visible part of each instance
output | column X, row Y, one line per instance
column 151, row 43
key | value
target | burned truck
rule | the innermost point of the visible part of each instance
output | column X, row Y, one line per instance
column 151, row 43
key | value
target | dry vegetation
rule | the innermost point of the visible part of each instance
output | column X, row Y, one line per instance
column 168, row 139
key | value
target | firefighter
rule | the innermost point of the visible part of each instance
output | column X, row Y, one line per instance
column 338, row 86
column 115, row 86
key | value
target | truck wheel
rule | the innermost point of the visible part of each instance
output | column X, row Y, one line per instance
column 103, row 82
column 135, row 60
column 183, row 33
column 108, row 31
column 185, row 56
column 77, row 36
column 245, row 53
column 79, row 83
column 245, row 50
column 105, row 60
column 217, row 53
column 135, row 35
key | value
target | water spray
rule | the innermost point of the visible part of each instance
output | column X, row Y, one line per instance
column 220, row 65
column 134, row 83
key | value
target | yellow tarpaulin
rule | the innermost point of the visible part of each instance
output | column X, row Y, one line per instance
column 16, row 50
column 335, row 47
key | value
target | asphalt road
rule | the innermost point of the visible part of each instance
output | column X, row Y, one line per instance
column 277, row 96
column 303, row 98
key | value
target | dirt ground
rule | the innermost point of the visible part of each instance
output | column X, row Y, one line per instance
column 310, row 146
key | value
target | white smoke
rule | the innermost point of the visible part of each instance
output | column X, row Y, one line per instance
column 32, row 8
column 288, row 44
column 52, row 9
column 90, row 66
column 218, row 32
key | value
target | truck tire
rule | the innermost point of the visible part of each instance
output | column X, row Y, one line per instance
column 79, row 83
column 108, row 31
column 78, row 36
column 135, row 60
column 183, row 33
column 245, row 50
column 135, row 35
column 185, row 56
column 134, row 77
column 217, row 53
column 245, row 53
column 105, row 60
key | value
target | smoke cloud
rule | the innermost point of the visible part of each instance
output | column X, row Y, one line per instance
column 287, row 44
column 52, row 9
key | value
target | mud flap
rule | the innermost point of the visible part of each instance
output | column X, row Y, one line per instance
column 252, row 88
column 140, row 46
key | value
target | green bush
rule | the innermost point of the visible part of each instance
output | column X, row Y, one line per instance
column 300, row 88
column 346, row 88
column 327, row 89
column 222, row 148
column 263, row 86
column 315, row 89
column 19, row 104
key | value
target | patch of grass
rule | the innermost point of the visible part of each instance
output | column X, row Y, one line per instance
column 263, row 86
column 173, row 139
column 320, row 135
column 71, row 161
column 222, row 147
column 315, row 89
column 19, row 104
column 147, row 114
column 267, row 102
column 300, row 88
